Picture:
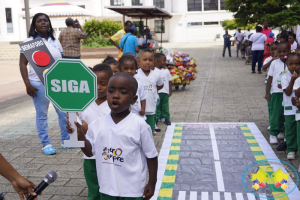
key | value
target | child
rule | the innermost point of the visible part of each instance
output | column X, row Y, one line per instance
column 292, row 41
column 128, row 65
column 276, row 69
column 296, row 102
column 97, row 109
column 151, row 82
column 113, row 63
column 162, row 109
column 287, row 83
column 268, row 42
column 123, row 145
column 266, row 65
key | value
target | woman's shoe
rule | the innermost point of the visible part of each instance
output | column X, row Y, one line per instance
column 49, row 150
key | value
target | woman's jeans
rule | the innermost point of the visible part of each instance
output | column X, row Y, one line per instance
column 257, row 56
column 41, row 104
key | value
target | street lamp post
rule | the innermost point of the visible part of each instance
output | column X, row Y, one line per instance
column 27, row 16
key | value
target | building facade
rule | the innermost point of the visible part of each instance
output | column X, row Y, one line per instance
column 192, row 21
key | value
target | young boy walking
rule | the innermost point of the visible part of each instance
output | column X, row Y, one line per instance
column 123, row 145
column 162, row 109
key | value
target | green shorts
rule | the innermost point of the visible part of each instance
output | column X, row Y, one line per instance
column 107, row 197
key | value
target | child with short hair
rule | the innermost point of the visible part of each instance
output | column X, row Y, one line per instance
column 162, row 109
column 128, row 65
column 151, row 82
column 113, row 63
column 292, row 41
column 276, row 69
column 123, row 145
column 97, row 109
column 288, row 82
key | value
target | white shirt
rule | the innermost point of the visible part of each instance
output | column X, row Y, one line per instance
column 247, row 35
column 276, row 68
column 137, row 106
column 54, row 48
column 121, row 152
column 239, row 37
column 296, row 87
column 157, row 71
column 166, row 78
column 258, row 41
column 149, row 83
column 93, row 112
column 268, row 59
column 294, row 46
column 289, row 109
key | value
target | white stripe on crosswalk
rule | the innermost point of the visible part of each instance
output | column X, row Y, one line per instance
column 216, row 195
column 227, row 196
column 251, row 196
column 239, row 196
column 193, row 195
column 220, row 180
column 204, row 195
column 181, row 195
column 214, row 143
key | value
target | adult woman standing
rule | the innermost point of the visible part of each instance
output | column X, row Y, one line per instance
column 41, row 28
column 257, row 43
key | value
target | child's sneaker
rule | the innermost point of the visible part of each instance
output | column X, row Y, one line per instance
column 282, row 146
column 273, row 139
column 162, row 120
column 167, row 122
column 63, row 147
column 268, row 128
column 280, row 136
column 156, row 128
column 291, row 156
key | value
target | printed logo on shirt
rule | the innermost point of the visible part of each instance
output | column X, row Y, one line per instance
column 148, row 88
column 164, row 79
column 113, row 154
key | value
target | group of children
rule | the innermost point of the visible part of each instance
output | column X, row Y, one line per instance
column 282, row 94
column 118, row 127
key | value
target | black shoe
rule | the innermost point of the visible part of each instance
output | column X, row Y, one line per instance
column 1, row 196
column 230, row 56
column 223, row 55
column 156, row 127
column 167, row 122
column 282, row 146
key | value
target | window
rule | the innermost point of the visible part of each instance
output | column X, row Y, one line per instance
column 194, row 5
column 116, row 2
column 62, row 28
column 139, row 27
column 9, row 20
column 159, row 3
column 222, row 4
column 137, row 2
column 82, row 6
column 196, row 23
column 210, row 5
column 159, row 26
column 211, row 23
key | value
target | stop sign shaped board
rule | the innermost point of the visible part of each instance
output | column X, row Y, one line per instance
column 70, row 85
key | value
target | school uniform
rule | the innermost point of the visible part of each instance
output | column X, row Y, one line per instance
column 91, row 113
column 121, row 152
column 297, row 115
column 137, row 106
column 267, row 60
column 294, row 45
column 289, row 115
column 150, row 83
column 276, row 118
column 162, row 109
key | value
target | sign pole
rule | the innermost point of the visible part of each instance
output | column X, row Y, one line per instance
column 27, row 16
column 73, row 142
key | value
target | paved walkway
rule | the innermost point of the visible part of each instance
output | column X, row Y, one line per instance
column 225, row 91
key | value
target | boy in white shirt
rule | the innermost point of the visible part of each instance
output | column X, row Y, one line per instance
column 162, row 109
column 151, row 82
column 287, row 83
column 276, row 69
column 292, row 41
column 94, row 111
column 123, row 145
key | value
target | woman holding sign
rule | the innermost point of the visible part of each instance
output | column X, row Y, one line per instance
column 41, row 28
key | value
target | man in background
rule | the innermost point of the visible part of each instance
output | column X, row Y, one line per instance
column 227, row 43
column 70, row 39
column 239, row 37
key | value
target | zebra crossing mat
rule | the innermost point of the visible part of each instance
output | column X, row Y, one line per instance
column 221, row 161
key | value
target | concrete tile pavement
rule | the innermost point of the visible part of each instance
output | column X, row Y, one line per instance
column 224, row 91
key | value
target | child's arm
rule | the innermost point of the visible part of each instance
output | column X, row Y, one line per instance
column 267, row 65
column 269, row 83
column 289, row 90
column 87, row 149
column 150, row 187
column 143, row 107
column 296, row 102
column 170, row 88
column 297, row 92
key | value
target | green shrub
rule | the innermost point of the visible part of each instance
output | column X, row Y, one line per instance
column 99, row 32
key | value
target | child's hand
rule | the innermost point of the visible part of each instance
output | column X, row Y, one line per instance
column 69, row 129
column 294, row 76
column 279, row 86
column 170, row 94
column 80, row 133
column 267, row 97
column 142, row 112
column 149, row 191
column 295, row 101
column 84, row 126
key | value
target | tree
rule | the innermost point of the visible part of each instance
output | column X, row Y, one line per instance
column 277, row 13
column 233, row 25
